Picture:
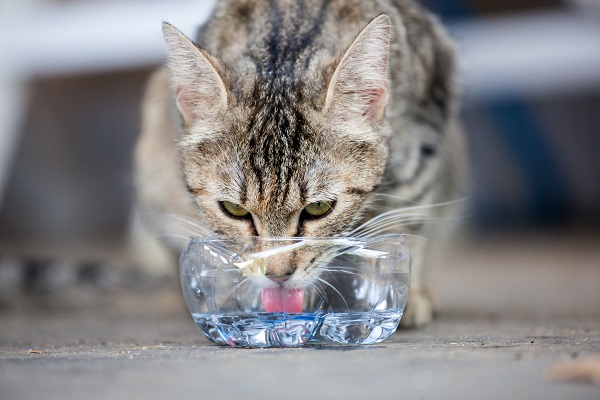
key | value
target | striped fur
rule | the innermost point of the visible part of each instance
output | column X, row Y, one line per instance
column 279, row 103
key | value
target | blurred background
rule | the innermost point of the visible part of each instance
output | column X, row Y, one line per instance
column 73, row 73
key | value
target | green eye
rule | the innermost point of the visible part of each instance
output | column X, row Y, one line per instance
column 319, row 208
column 234, row 209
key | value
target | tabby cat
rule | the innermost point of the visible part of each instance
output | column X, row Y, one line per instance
column 304, row 118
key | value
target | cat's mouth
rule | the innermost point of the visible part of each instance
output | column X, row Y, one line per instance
column 282, row 299
column 282, row 272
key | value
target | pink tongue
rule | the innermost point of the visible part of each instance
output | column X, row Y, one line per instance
column 282, row 299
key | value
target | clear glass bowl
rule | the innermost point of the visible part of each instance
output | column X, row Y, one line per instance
column 348, row 291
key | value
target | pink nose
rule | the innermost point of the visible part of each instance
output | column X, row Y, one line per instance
column 280, row 278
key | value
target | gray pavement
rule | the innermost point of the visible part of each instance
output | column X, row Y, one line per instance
column 148, row 347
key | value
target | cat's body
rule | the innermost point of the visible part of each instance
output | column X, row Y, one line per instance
column 292, row 117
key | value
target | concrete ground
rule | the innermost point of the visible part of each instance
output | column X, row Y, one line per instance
column 519, row 319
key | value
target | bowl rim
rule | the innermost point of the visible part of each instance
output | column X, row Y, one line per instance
column 341, row 239
column 364, row 244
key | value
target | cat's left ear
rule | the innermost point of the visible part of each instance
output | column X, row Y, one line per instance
column 201, row 92
column 358, row 89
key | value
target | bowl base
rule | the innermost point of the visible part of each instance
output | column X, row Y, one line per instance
column 297, row 329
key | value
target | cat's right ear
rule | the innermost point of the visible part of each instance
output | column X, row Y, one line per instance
column 201, row 93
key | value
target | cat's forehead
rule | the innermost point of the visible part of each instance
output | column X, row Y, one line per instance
column 277, row 135
column 281, row 154
column 278, row 168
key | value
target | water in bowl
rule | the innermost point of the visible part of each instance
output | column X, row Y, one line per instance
column 287, row 330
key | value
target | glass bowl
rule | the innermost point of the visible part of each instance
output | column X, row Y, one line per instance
column 279, row 292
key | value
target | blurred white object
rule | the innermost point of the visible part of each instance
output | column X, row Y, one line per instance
column 101, row 35
column 549, row 50
column 42, row 38
column 553, row 52
column 12, row 87
column 533, row 53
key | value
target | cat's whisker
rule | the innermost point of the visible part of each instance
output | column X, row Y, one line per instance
column 194, row 232
column 249, row 288
column 397, row 218
column 414, row 237
column 344, row 271
column 426, row 207
column 396, row 211
column 328, row 265
column 390, row 228
column 379, row 232
column 184, row 229
column 334, row 289
column 380, row 225
column 177, row 226
column 400, row 221
column 190, row 222
column 174, row 236
column 320, row 264
column 177, row 217
column 386, row 196
column 422, row 206
column 329, row 255
column 226, row 270
column 399, row 213
column 233, row 289
column 317, row 289
column 414, row 240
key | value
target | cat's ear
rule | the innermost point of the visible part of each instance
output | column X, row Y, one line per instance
column 201, row 93
column 358, row 89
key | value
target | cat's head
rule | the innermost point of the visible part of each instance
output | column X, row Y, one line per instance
column 269, row 153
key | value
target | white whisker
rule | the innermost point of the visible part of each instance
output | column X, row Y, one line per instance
column 411, row 236
column 183, row 223
column 391, row 218
column 395, row 219
column 174, row 236
column 434, row 205
column 233, row 289
column 399, row 213
column 317, row 289
column 382, row 226
column 391, row 227
column 345, row 271
column 333, row 287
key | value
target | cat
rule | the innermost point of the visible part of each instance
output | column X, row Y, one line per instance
column 311, row 118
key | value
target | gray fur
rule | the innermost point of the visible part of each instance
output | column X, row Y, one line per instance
column 284, row 103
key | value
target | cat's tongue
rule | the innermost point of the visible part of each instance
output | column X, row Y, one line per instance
column 282, row 299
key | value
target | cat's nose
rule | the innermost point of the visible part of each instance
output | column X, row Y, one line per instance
column 279, row 278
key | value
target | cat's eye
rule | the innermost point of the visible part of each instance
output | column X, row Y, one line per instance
column 234, row 210
column 319, row 208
